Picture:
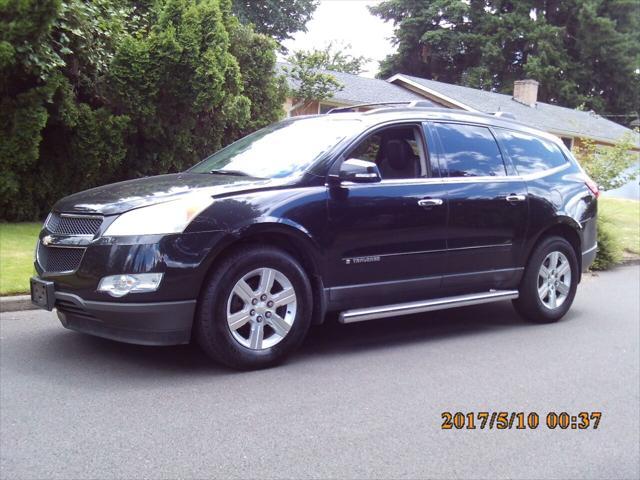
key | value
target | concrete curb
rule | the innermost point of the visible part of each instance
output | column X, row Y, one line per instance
column 16, row 303
column 629, row 261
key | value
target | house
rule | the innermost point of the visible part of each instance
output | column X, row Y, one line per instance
column 569, row 124
column 356, row 90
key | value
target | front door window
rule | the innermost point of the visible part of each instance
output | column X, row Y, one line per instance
column 398, row 152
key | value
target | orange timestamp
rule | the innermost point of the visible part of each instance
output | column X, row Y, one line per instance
column 519, row 420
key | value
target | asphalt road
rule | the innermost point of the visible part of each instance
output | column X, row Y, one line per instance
column 359, row 401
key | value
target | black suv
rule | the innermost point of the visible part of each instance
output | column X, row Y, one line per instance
column 393, row 211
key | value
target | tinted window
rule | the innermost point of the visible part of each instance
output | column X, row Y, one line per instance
column 368, row 149
column 568, row 142
column 470, row 151
column 531, row 154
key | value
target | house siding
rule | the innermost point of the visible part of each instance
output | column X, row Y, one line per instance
column 308, row 109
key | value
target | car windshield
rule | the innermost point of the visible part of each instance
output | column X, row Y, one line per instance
column 279, row 150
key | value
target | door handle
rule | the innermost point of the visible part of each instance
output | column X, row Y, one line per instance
column 515, row 198
column 430, row 202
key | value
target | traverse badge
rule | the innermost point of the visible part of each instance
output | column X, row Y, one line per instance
column 368, row 259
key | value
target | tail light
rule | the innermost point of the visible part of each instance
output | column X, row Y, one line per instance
column 593, row 186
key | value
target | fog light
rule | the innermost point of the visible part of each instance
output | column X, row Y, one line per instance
column 120, row 285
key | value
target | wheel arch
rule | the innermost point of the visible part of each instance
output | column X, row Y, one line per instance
column 289, row 237
column 567, row 228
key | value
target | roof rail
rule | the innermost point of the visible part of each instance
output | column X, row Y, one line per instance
column 411, row 104
column 508, row 115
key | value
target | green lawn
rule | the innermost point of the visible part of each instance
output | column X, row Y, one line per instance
column 625, row 215
column 17, row 244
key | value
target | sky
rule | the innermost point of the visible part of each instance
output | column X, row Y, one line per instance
column 347, row 22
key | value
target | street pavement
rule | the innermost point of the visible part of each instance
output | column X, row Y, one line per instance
column 358, row 401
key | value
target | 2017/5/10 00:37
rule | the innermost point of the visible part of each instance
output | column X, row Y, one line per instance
column 519, row 420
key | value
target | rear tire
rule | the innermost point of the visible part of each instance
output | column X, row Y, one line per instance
column 549, row 284
column 255, row 308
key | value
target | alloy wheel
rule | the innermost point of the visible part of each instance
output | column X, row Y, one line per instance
column 261, row 308
column 554, row 280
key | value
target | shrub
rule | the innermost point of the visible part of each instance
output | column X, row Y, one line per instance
column 609, row 247
column 93, row 92
column 609, row 166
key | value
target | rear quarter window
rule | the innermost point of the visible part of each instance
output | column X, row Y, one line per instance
column 530, row 154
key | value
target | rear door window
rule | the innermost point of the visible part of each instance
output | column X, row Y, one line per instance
column 530, row 154
column 469, row 150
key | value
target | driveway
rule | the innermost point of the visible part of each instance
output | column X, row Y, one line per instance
column 359, row 401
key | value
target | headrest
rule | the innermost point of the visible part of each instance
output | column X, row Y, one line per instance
column 399, row 153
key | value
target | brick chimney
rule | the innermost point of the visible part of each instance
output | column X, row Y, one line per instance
column 526, row 92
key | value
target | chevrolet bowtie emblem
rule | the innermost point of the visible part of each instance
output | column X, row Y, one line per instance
column 47, row 240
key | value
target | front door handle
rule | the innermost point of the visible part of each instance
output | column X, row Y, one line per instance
column 430, row 202
column 515, row 198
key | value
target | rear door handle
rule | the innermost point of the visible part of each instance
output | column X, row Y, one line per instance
column 430, row 202
column 515, row 198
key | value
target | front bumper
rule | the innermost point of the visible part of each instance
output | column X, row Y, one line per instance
column 149, row 323
column 73, row 257
column 184, row 260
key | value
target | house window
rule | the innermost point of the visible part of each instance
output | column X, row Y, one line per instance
column 324, row 108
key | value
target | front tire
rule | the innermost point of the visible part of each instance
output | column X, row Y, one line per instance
column 255, row 308
column 549, row 284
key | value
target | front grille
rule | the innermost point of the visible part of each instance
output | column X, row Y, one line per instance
column 63, row 224
column 59, row 259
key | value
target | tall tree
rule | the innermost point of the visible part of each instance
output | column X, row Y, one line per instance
column 55, row 131
column 310, row 71
column 262, row 85
column 583, row 52
column 95, row 91
column 275, row 18
column 180, row 85
column 336, row 57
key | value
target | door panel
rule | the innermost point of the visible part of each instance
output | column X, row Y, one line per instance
column 386, row 248
column 488, row 210
column 487, row 227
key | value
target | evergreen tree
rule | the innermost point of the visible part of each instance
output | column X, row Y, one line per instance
column 181, row 87
column 95, row 91
column 55, row 132
column 275, row 18
column 261, row 84
column 583, row 52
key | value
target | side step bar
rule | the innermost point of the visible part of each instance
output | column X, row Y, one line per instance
column 384, row 311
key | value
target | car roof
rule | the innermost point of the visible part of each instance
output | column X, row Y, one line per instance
column 382, row 115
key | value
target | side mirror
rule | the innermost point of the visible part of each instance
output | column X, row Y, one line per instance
column 359, row 171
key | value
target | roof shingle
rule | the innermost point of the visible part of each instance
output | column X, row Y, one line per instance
column 544, row 116
column 358, row 89
column 551, row 118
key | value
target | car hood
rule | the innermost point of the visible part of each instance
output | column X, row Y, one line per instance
column 123, row 196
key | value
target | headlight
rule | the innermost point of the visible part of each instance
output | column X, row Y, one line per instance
column 169, row 217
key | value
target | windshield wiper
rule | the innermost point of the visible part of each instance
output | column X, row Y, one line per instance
column 230, row 172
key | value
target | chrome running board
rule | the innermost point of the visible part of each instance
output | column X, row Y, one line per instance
column 384, row 311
